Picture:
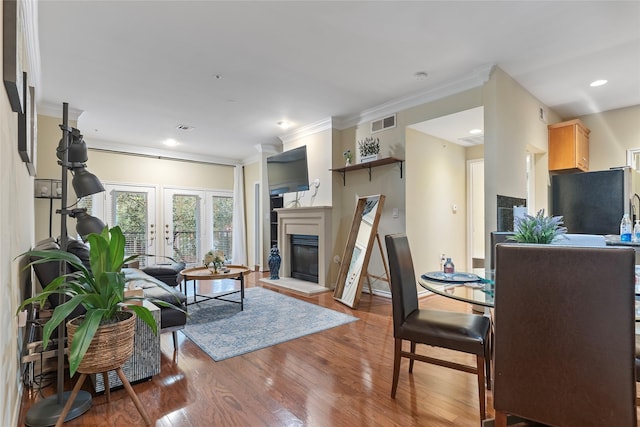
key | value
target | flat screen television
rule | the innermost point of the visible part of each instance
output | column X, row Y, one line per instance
column 287, row 172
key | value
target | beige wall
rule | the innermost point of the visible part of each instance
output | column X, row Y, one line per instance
column 117, row 168
column 319, row 162
column 433, row 227
column 16, row 229
column 385, row 180
column 48, row 169
column 402, row 194
column 512, row 127
column 319, row 156
column 475, row 152
column 612, row 134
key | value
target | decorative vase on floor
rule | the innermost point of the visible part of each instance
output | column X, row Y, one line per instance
column 274, row 263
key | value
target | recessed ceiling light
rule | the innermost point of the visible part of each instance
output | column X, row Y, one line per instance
column 475, row 131
column 598, row 83
column 170, row 142
column 421, row 75
column 284, row 124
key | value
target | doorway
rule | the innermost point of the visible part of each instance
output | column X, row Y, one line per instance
column 133, row 208
column 475, row 213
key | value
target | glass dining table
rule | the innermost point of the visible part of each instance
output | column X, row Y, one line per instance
column 466, row 287
column 477, row 290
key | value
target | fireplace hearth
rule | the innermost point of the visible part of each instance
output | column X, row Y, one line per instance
column 309, row 221
column 304, row 257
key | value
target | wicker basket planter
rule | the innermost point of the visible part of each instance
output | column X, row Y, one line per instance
column 110, row 347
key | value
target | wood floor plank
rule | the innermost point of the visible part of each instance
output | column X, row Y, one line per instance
column 338, row 377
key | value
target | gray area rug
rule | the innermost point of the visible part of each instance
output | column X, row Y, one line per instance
column 222, row 331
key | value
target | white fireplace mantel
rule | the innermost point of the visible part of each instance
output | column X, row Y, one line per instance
column 313, row 221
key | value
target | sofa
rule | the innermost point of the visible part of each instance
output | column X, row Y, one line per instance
column 171, row 320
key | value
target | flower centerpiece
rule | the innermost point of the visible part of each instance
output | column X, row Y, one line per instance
column 369, row 149
column 348, row 157
column 538, row 229
column 214, row 260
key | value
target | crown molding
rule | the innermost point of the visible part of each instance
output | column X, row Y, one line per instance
column 267, row 148
column 262, row 150
column 307, row 130
column 475, row 79
column 256, row 158
column 116, row 147
column 55, row 110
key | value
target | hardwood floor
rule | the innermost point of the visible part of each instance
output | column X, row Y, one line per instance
column 338, row 377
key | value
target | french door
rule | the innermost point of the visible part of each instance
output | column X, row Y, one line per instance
column 190, row 223
column 133, row 208
column 195, row 222
column 182, row 229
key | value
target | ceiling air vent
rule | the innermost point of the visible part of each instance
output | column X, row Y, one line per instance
column 383, row 123
column 471, row 140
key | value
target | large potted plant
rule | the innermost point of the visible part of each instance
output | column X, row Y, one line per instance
column 100, row 289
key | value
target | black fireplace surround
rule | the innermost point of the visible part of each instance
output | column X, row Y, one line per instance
column 304, row 257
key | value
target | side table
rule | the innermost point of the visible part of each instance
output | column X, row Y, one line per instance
column 236, row 272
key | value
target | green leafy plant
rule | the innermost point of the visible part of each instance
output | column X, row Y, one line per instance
column 538, row 229
column 348, row 157
column 100, row 290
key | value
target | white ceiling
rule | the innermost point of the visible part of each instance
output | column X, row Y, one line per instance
column 456, row 127
column 137, row 69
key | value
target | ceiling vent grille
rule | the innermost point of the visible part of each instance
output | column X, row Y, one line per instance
column 383, row 123
column 471, row 140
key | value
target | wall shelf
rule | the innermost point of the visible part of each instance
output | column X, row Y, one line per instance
column 367, row 165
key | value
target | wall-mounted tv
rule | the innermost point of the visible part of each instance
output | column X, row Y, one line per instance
column 287, row 172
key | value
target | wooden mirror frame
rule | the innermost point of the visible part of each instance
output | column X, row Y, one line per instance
column 355, row 259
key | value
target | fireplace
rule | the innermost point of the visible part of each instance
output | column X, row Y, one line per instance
column 304, row 257
column 309, row 221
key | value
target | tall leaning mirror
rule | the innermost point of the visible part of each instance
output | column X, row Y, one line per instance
column 355, row 260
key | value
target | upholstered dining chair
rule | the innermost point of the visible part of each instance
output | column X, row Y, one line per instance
column 565, row 335
column 637, row 366
column 467, row 333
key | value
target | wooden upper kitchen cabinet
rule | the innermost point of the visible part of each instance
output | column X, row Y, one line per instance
column 568, row 147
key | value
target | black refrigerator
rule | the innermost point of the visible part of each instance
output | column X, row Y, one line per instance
column 593, row 202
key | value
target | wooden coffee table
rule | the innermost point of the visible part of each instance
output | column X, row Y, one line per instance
column 236, row 272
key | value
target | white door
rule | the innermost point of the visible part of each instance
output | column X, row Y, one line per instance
column 475, row 220
column 220, row 218
column 195, row 222
column 133, row 208
column 182, row 228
